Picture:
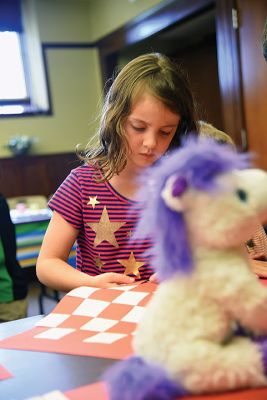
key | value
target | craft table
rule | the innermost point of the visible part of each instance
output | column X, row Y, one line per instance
column 68, row 351
column 35, row 373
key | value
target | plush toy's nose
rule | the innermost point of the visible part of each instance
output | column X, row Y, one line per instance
column 254, row 183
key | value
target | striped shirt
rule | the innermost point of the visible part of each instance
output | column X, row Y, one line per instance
column 105, row 220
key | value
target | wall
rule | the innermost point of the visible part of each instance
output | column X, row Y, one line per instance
column 75, row 87
column 105, row 15
column 64, row 20
column 74, row 74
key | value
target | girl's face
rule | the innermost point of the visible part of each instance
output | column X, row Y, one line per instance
column 149, row 129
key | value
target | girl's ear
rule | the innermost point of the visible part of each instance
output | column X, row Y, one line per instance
column 173, row 191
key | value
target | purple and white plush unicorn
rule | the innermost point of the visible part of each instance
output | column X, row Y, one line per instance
column 205, row 327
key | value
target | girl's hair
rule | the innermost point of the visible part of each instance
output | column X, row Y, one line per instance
column 208, row 130
column 154, row 73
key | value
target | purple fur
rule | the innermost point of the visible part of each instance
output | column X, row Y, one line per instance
column 199, row 162
column 134, row 379
column 263, row 348
column 179, row 186
column 262, row 344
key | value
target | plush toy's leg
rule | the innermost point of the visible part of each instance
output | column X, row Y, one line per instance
column 262, row 343
column 203, row 366
column 134, row 379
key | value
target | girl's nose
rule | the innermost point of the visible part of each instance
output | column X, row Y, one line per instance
column 150, row 140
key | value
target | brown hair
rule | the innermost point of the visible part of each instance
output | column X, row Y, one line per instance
column 165, row 80
column 208, row 130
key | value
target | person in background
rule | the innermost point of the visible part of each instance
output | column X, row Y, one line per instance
column 147, row 110
column 13, row 282
column 257, row 245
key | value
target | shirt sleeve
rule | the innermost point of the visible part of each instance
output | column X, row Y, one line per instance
column 67, row 200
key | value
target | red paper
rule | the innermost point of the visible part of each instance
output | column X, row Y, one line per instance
column 4, row 373
column 115, row 309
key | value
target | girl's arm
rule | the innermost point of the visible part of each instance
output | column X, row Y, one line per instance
column 259, row 267
column 52, row 268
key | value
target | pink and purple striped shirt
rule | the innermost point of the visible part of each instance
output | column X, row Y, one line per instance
column 105, row 220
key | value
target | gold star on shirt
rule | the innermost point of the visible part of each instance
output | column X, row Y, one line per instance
column 93, row 201
column 105, row 229
column 99, row 263
column 131, row 265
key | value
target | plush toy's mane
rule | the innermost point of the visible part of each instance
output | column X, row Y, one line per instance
column 194, row 167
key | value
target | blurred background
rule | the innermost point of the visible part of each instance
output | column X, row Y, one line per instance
column 63, row 52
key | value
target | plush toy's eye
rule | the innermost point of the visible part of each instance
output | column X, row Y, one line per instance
column 242, row 195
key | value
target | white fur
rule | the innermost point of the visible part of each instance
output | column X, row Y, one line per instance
column 188, row 327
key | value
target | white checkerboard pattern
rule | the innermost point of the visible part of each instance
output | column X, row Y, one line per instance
column 96, row 316
column 54, row 395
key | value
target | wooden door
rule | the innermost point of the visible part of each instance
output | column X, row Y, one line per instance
column 251, row 20
column 229, row 69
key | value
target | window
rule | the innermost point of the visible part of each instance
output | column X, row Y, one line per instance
column 12, row 76
column 13, row 87
column 23, row 86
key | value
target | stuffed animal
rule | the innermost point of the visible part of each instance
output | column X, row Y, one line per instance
column 203, row 331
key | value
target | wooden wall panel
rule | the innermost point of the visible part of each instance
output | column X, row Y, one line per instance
column 31, row 175
column 229, row 72
column 252, row 16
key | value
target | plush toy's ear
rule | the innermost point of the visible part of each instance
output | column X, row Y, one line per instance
column 173, row 191
column 172, row 250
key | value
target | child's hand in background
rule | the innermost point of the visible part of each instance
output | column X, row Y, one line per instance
column 154, row 278
column 110, row 279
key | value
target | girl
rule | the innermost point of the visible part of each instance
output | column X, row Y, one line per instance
column 146, row 111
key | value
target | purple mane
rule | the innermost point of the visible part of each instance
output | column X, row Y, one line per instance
column 196, row 164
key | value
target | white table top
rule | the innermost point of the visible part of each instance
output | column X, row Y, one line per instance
column 30, row 215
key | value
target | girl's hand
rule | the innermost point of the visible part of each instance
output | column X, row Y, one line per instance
column 110, row 279
column 154, row 278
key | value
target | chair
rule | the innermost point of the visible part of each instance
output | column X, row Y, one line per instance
column 13, row 282
column 48, row 293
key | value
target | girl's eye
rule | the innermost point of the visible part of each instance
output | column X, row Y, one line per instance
column 138, row 129
column 165, row 133
column 242, row 195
